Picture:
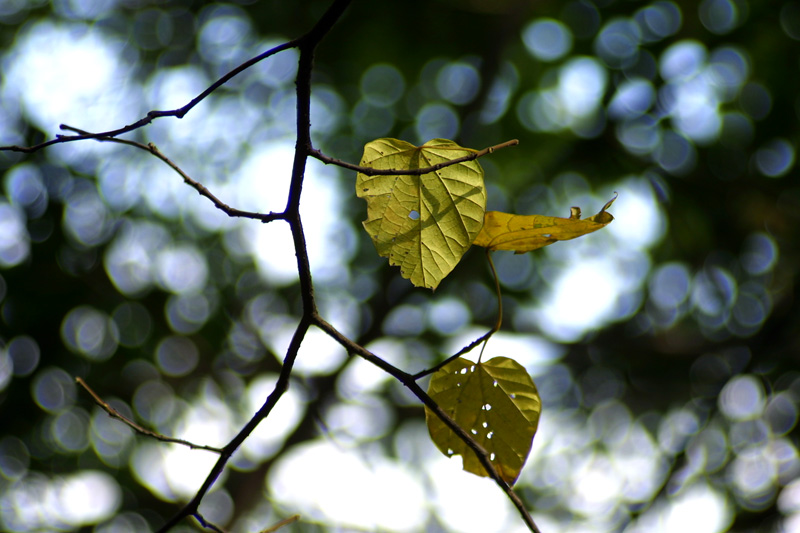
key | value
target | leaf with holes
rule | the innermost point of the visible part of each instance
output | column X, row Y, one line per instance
column 423, row 224
column 496, row 402
column 524, row 233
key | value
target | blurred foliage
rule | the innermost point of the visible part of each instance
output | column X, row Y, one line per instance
column 664, row 347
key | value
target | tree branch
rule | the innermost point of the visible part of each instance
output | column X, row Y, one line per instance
column 369, row 171
column 310, row 316
column 152, row 115
column 409, row 381
column 281, row 386
column 199, row 187
column 292, row 216
column 113, row 413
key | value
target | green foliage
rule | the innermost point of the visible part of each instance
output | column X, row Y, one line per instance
column 497, row 402
column 423, row 223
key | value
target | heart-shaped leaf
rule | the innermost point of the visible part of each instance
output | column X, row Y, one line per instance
column 497, row 402
column 425, row 223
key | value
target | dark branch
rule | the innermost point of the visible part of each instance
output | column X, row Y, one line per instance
column 468, row 348
column 281, row 386
column 409, row 381
column 483, row 338
column 206, row 524
column 147, row 119
column 113, row 413
column 199, row 187
column 292, row 216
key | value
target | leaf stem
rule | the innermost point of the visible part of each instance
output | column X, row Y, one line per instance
column 499, row 321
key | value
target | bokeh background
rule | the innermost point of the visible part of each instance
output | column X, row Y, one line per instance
column 665, row 347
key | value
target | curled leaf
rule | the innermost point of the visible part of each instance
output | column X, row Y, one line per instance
column 524, row 233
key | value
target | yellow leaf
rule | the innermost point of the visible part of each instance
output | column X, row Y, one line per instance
column 524, row 233
column 425, row 223
column 496, row 402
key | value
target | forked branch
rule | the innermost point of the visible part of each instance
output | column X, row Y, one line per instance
column 410, row 382
column 304, row 149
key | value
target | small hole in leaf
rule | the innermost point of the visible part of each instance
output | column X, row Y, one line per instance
column 472, row 368
column 513, row 395
column 364, row 190
column 414, row 215
column 489, row 435
column 487, row 407
column 485, row 424
column 449, row 451
column 473, row 431
column 494, row 384
column 463, row 370
column 491, row 456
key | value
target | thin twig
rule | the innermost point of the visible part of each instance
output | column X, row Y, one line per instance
column 206, row 524
column 199, row 187
column 465, row 349
column 151, row 115
column 285, row 522
column 369, row 171
column 113, row 413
